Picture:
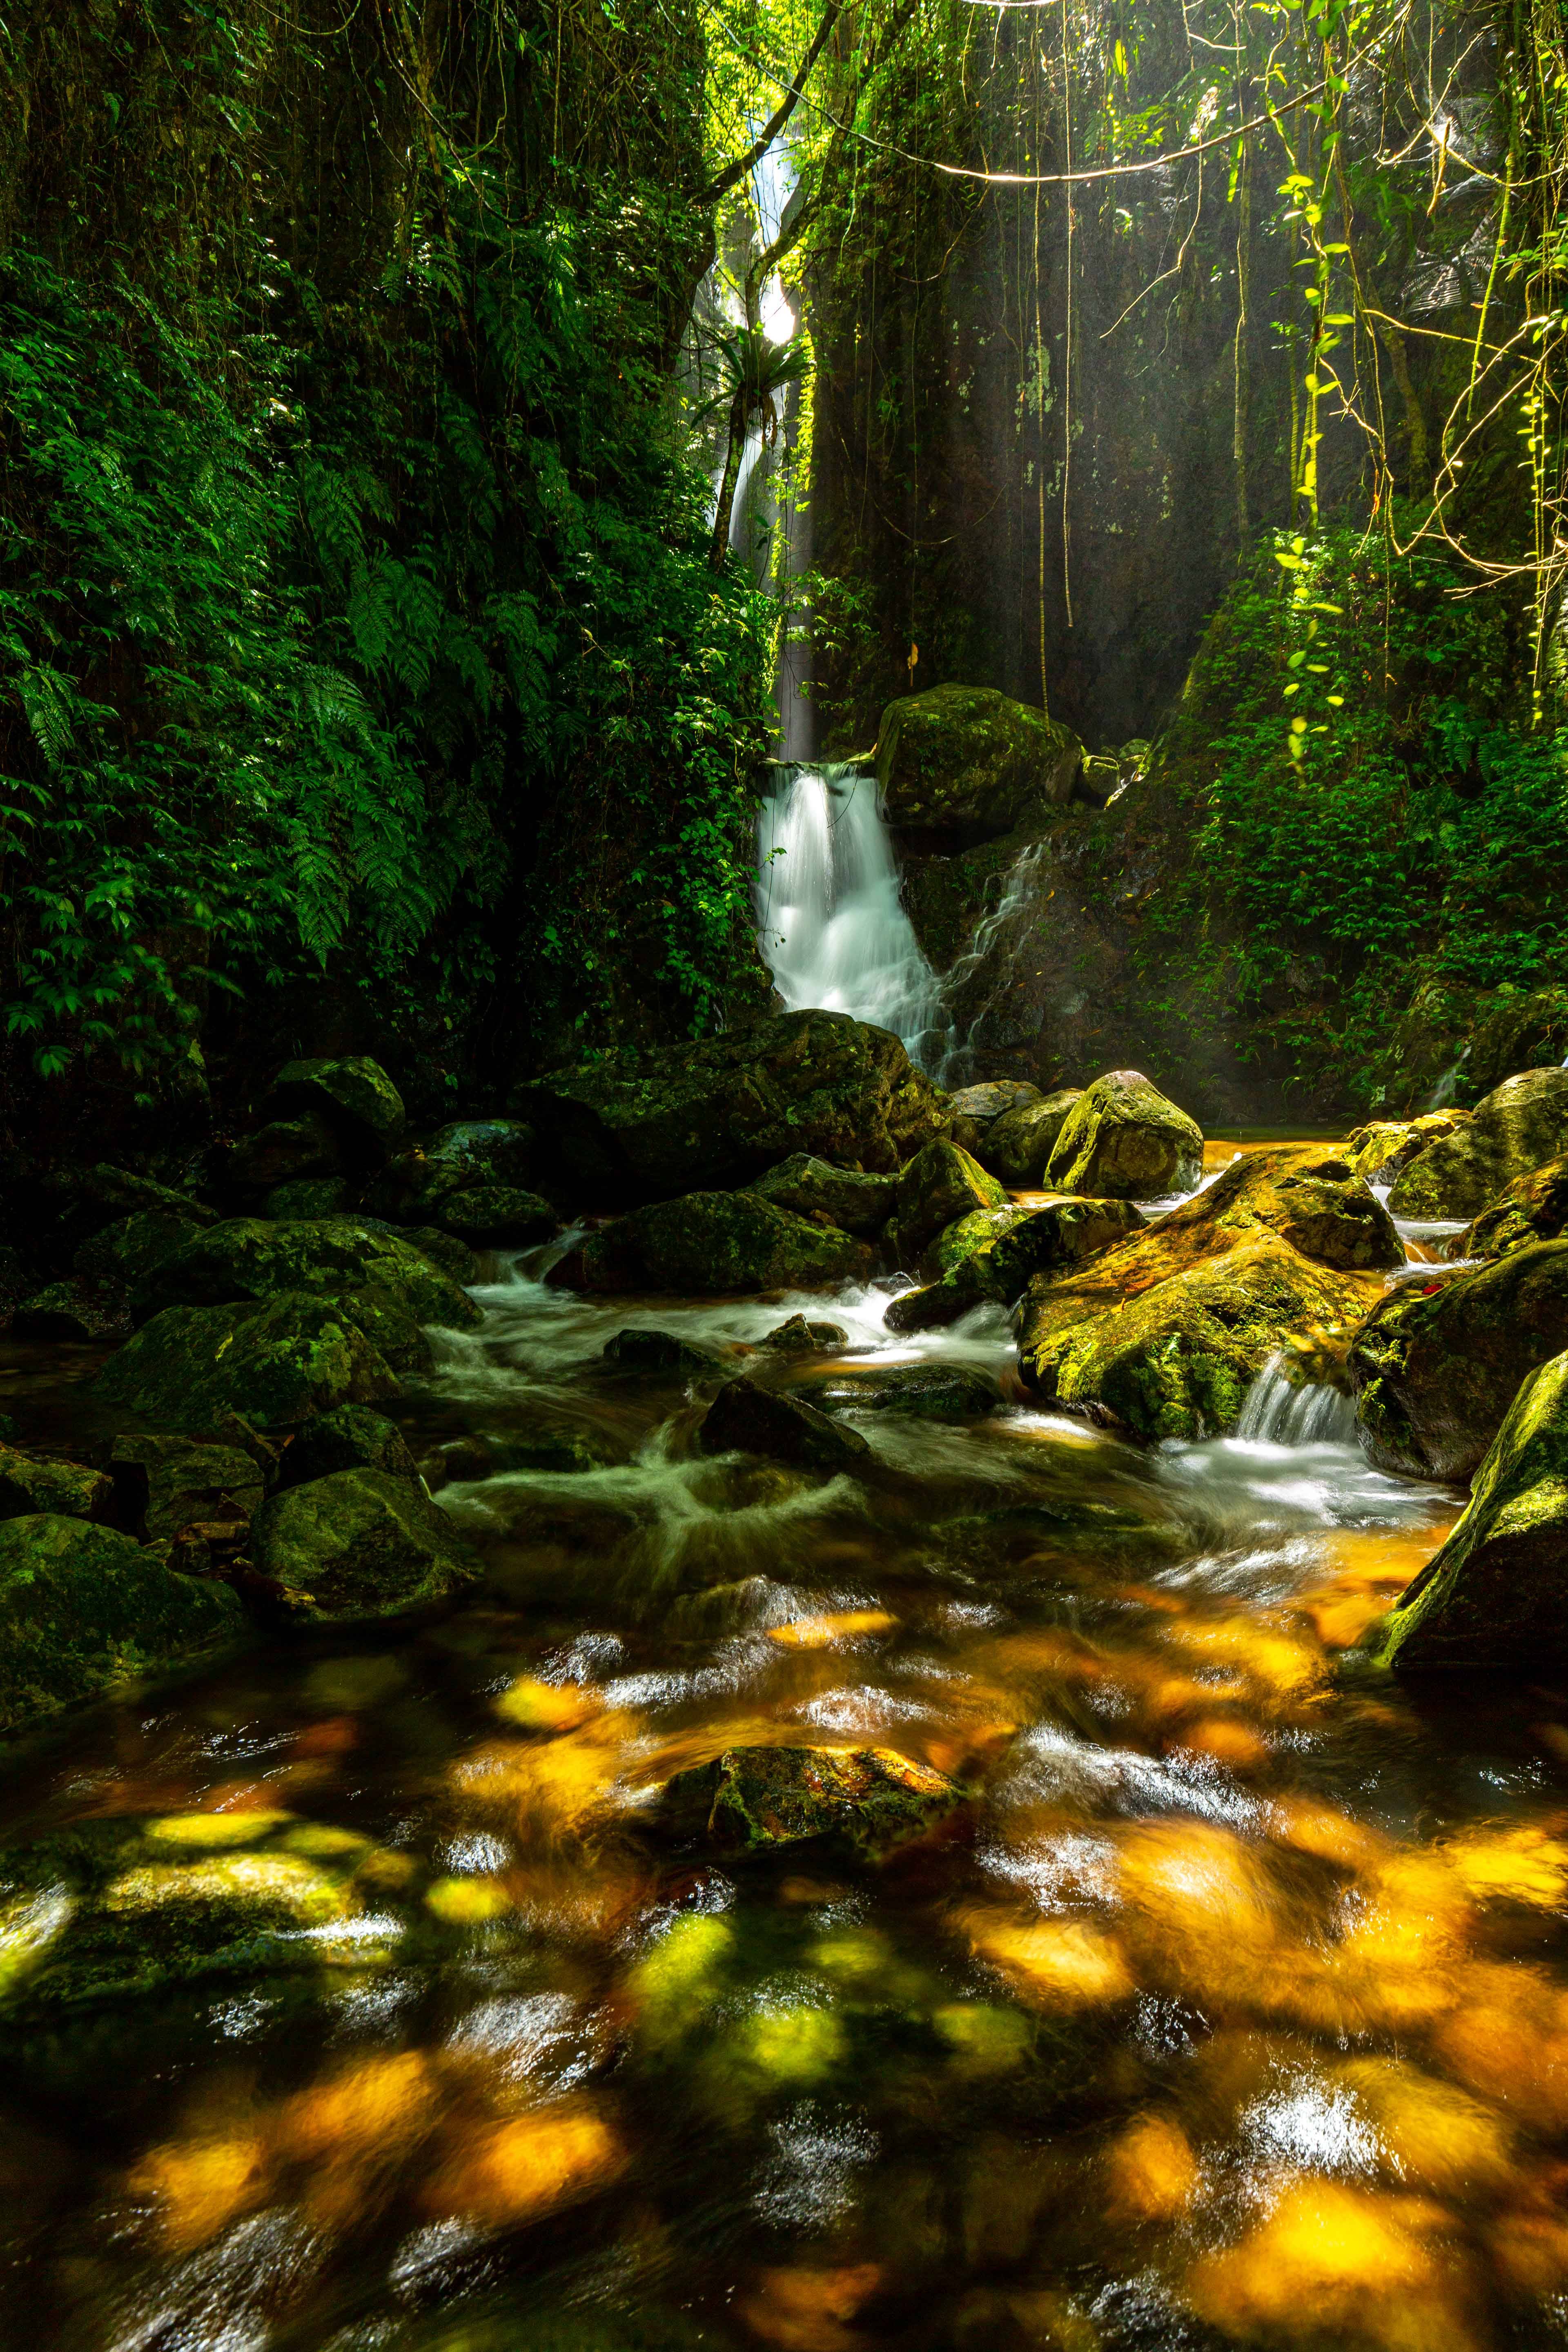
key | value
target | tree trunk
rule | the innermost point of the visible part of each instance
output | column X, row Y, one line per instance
column 723, row 510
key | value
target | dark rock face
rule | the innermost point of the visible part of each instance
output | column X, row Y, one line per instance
column 248, row 1257
column 466, row 1156
column 984, row 1104
column 1518, row 1128
column 1122, row 1140
column 124, row 1252
column 799, row 1338
column 1018, row 1146
column 1496, row 1595
column 361, row 1543
column 1436, row 1368
column 273, row 1365
column 80, row 1202
column 1533, row 1209
column 82, row 1609
column 725, row 1110
column 855, row 1202
column 664, row 1356
column 284, row 1152
column 964, row 764
column 711, row 1243
column 162, row 1483
column 752, row 1798
column 746, row 1419
column 351, row 1437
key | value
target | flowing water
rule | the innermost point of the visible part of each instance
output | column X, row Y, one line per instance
column 1231, row 2011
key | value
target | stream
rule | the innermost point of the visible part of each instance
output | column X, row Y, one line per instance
column 1232, row 2010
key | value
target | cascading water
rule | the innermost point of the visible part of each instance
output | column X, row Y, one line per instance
column 1280, row 1410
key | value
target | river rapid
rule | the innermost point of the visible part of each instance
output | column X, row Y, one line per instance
column 1232, row 2011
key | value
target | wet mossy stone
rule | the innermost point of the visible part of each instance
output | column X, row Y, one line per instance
column 993, row 1255
column 1436, row 1365
column 750, row 1799
column 82, row 1200
column 83, row 1608
column 1123, row 1140
column 1519, row 1127
column 1017, row 1148
column 664, row 1355
column 939, row 1185
column 723, row 1111
column 855, row 1202
column 62, row 1310
column 361, row 1543
column 1496, row 1594
column 712, row 1244
column 284, row 1152
column 274, row 1364
column 32, row 1483
column 118, row 1256
column 799, row 1338
column 384, row 1318
column 745, row 1418
column 491, row 1213
column 352, row 1437
column 249, row 1258
column 964, row 764
column 162, row 1483
column 984, row 1104
column 354, row 1095
column 1178, row 1360
column 1533, row 1209
column 1384, row 1148
column 465, row 1155
column 308, row 1196
column 952, row 1393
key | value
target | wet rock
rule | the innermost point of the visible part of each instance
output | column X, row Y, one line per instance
column 486, row 1215
column 1018, row 1146
column 63, row 1310
column 939, row 1185
column 953, row 1392
column 1436, row 1366
column 1122, row 1140
column 1533, row 1209
column 964, row 764
column 662, row 1355
column 1495, row 1594
column 121, row 1254
column 754, row 1798
column 249, row 1258
column 386, row 1318
column 32, row 1483
column 1519, row 1127
column 284, row 1152
column 855, row 1202
column 274, row 1364
column 469, row 1155
column 454, row 1257
column 354, row 1096
column 163, row 1483
column 995, row 1255
column 361, row 1543
column 984, row 1105
column 83, row 1609
column 1177, row 1361
column 80, row 1202
column 711, row 1243
column 746, row 1419
column 724, row 1112
column 799, row 1338
column 352, row 1437
column 308, row 1196
column 1384, row 1150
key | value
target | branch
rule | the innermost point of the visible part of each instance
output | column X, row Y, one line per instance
column 777, row 121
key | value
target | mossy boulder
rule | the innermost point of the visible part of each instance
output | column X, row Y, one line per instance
column 711, row 1243
column 467, row 1155
column 845, row 1197
column 636, row 1127
column 274, row 1364
column 361, row 1543
column 753, row 1800
column 309, row 1196
column 121, row 1254
column 745, row 1418
column 1177, row 1361
column 1534, row 1208
column 162, row 1483
column 32, row 1482
column 934, row 1391
column 355, row 1098
column 992, row 1100
column 1018, row 1145
column 352, row 1437
column 1436, row 1364
column 1519, row 1127
column 75, row 1203
column 1384, row 1148
column 1496, row 1594
column 249, row 1258
column 284, row 1152
column 799, row 1338
column 83, row 1609
column 939, row 1185
column 964, row 764
column 488, row 1215
column 1123, row 1140
column 994, row 1254
column 71, row 1311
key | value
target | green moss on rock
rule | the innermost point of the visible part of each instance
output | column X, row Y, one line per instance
column 488, row 1214
column 1534, row 1208
column 361, row 1543
column 250, row 1258
column 274, row 1364
column 354, row 1095
column 1122, row 1140
column 939, row 1185
column 31, row 1483
column 756, row 1799
column 855, row 1202
column 965, row 763
column 1018, row 1145
column 745, row 1418
column 993, row 1255
column 1519, row 1127
column 711, row 1243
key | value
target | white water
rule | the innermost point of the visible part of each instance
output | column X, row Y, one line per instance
column 1280, row 1410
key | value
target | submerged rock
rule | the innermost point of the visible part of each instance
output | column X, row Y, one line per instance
column 31, row 1483
column 725, row 1110
column 753, row 1799
column 1122, row 1140
column 953, row 1393
column 351, row 1437
column 1533, row 1209
column 1384, row 1150
column 964, row 764
column 663, row 1354
column 1519, row 1127
column 1496, row 1594
column 249, row 1258
column 1436, row 1366
column 744, row 1418
column 361, row 1543
column 83, row 1608
column 1018, row 1147
column 994, row 1256
column 710, row 1244
column 162, row 1483
column 274, row 1364
column 354, row 1095
column 940, row 1184
column 855, row 1202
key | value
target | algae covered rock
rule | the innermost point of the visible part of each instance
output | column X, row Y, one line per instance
column 1519, row 1127
column 467, row 1155
column 855, row 1202
column 1533, row 1209
column 753, row 1799
column 352, row 1437
column 1384, row 1150
column 80, row 1202
column 951, row 1392
column 1122, row 1140
column 352, row 1094
column 83, row 1608
column 162, row 1483
column 1436, row 1366
column 711, row 1243
column 489, row 1214
column 250, row 1258
column 745, row 1418
column 361, row 1543
column 1018, row 1146
column 993, row 1255
column 1496, row 1594
column 274, row 1364
column 964, row 764
column 30, row 1482
column 940, row 1184
column 723, row 1111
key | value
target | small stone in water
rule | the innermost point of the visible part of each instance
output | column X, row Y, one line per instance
column 797, row 1337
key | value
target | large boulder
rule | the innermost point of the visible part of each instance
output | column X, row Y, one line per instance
column 994, row 1254
column 1384, row 1148
column 273, row 1365
column 940, row 1184
column 469, row 1155
column 162, row 1483
column 964, row 764
column 488, row 1215
column 745, row 1418
column 632, row 1128
column 754, row 1798
column 1178, row 1360
column 1122, row 1140
column 845, row 1197
column 303, row 1149
column 75, row 1203
column 1017, row 1146
column 929, row 1391
column 712, row 1244
column 1519, row 1127
column 1496, row 1594
column 1436, row 1365
column 31, row 1483
column 250, row 1258
column 1534, row 1208
column 352, row 1437
column 119, row 1256
column 992, row 1100
column 355, row 1098
column 361, row 1543
column 83, row 1608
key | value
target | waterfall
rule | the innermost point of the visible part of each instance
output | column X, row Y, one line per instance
column 830, row 923
column 1013, row 913
column 1280, row 1410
